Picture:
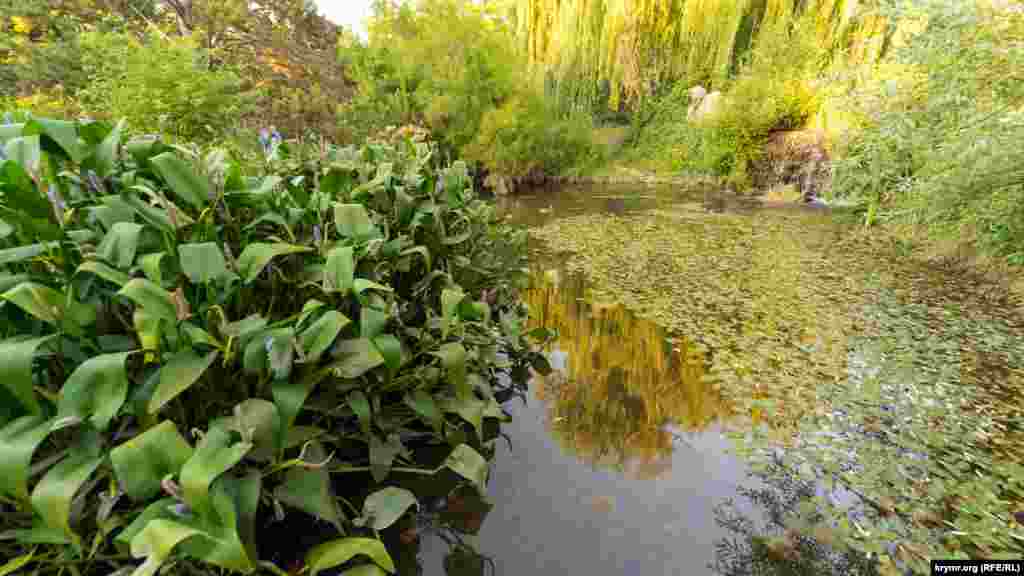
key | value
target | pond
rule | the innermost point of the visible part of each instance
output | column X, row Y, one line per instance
column 617, row 460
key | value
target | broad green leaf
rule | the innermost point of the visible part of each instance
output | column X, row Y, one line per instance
column 16, row 369
column 156, row 542
column 337, row 552
column 156, row 301
column 424, row 405
column 16, row 564
column 352, row 221
column 289, row 398
column 360, row 404
column 249, row 490
column 311, row 305
column 141, row 463
column 151, row 265
column 453, row 359
column 321, row 334
column 106, row 154
column 178, row 375
column 63, row 133
column 257, row 422
column 95, row 390
column 273, row 218
column 309, row 489
column 119, row 245
column 391, row 349
column 382, row 455
column 199, row 336
column 202, row 262
column 213, row 456
column 365, row 570
column 282, row 353
column 450, row 299
column 147, row 327
column 24, row 151
column 371, row 322
column 360, row 285
column 182, row 180
column 339, row 273
column 384, row 507
column 468, row 463
column 43, row 302
column 18, row 441
column 104, row 271
column 52, row 496
column 469, row 408
column 167, row 217
column 355, row 357
column 246, row 326
column 222, row 545
column 257, row 255
column 12, row 255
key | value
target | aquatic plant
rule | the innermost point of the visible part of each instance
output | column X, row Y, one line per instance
column 187, row 352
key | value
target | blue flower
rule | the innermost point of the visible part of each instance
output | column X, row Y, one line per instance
column 264, row 138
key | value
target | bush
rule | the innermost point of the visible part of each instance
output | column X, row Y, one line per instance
column 189, row 352
column 524, row 140
column 949, row 157
column 159, row 85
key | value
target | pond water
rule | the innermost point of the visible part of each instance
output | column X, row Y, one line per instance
column 617, row 460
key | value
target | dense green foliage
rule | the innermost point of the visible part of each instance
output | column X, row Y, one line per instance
column 188, row 350
column 452, row 66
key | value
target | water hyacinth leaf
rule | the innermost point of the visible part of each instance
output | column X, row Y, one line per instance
column 254, row 359
column 178, row 375
column 40, row 301
column 391, row 349
column 360, row 404
column 16, row 370
column 152, row 267
column 257, row 255
column 425, row 406
column 309, row 489
column 246, row 326
column 257, row 421
column 221, row 544
column 249, row 490
column 120, row 243
column 18, row 441
column 182, row 180
column 311, row 305
column 156, row 541
column 197, row 335
column 24, row 151
column 214, row 456
column 281, row 353
column 95, row 390
column 52, row 496
column 16, row 564
column 156, row 301
column 60, row 136
column 384, row 507
column 147, row 327
column 469, row 409
column 337, row 552
column 421, row 250
column 339, row 273
column 106, row 154
column 20, row 253
column 321, row 334
column 371, row 322
column 289, row 397
column 453, row 359
column 450, row 299
column 365, row 570
column 203, row 262
column 140, row 464
column 105, row 272
column 468, row 463
column 355, row 357
column 360, row 285
column 352, row 221
column 382, row 455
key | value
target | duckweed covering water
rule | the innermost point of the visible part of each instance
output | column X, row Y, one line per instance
column 878, row 375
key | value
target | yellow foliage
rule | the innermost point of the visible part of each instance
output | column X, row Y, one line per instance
column 21, row 25
column 52, row 103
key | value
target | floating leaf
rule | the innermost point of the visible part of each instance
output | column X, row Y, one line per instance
column 120, row 244
column 52, row 496
column 43, row 302
column 18, row 441
column 352, row 221
column 106, row 154
column 468, row 463
column 321, row 334
column 214, row 456
column 156, row 301
column 104, row 271
column 355, row 357
column 156, row 541
column 339, row 273
column 453, row 359
column 140, row 464
column 309, row 489
column 16, row 370
column 391, row 349
column 424, row 405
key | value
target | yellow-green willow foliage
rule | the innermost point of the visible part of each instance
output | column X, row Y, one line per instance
column 622, row 381
column 635, row 44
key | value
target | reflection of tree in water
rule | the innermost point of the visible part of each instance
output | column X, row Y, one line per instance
column 623, row 381
column 781, row 547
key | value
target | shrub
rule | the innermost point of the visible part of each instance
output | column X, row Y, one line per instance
column 188, row 352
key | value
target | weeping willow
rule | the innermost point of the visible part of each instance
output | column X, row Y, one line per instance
column 631, row 46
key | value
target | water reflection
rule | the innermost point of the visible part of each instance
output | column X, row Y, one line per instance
column 618, row 382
